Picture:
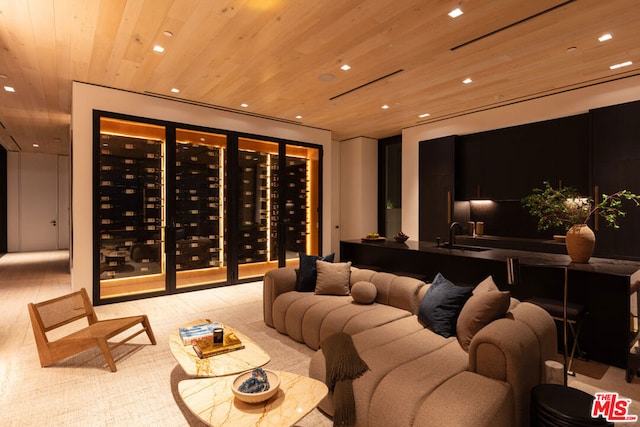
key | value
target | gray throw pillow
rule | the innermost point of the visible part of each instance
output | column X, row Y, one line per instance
column 333, row 278
column 441, row 305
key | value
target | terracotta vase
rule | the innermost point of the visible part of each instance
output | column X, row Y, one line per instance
column 580, row 243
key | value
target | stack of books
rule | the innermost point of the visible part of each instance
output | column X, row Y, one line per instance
column 206, row 348
column 191, row 334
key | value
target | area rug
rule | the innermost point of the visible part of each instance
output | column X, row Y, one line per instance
column 82, row 391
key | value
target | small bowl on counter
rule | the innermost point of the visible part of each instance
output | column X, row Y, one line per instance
column 400, row 237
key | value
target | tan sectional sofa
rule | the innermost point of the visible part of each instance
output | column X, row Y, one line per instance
column 417, row 377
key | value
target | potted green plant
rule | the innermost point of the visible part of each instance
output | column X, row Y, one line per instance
column 566, row 207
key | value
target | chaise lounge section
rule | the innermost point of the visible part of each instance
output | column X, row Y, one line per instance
column 416, row 376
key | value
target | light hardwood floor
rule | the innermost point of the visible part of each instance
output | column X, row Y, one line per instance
column 32, row 277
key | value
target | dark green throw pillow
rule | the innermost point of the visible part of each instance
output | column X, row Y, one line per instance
column 307, row 273
column 441, row 305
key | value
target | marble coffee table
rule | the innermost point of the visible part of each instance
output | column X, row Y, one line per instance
column 235, row 362
column 213, row 402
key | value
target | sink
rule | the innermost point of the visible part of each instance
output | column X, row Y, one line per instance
column 466, row 248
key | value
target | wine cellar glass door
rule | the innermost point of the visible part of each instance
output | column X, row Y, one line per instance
column 299, row 195
column 255, row 200
column 278, row 206
column 182, row 208
column 199, row 225
column 131, row 208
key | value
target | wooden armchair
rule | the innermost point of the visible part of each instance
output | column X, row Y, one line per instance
column 58, row 312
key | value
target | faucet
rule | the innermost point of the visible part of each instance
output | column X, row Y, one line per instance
column 452, row 234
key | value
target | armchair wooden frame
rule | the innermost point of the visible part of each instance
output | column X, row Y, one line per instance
column 58, row 312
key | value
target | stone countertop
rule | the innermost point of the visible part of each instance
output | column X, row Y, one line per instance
column 527, row 258
column 522, row 244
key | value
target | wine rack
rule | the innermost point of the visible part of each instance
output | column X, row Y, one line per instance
column 294, row 191
column 198, row 206
column 138, row 194
column 252, row 218
column 131, row 206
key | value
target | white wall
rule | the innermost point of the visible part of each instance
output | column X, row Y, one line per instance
column 334, row 194
column 86, row 98
column 37, row 192
column 359, row 187
column 64, row 202
column 551, row 107
column 13, row 201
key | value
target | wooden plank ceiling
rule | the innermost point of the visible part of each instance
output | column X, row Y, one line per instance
column 273, row 54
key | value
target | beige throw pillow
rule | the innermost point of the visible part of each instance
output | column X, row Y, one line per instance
column 364, row 292
column 485, row 305
column 333, row 278
column 485, row 286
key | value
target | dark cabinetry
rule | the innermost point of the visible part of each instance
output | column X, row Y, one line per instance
column 596, row 152
column 616, row 166
column 469, row 168
column 505, row 164
column 436, row 186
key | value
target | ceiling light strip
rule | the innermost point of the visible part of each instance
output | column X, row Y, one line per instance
column 519, row 100
column 511, row 25
column 221, row 108
column 366, row 84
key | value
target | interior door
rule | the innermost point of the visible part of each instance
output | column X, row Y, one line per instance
column 38, row 202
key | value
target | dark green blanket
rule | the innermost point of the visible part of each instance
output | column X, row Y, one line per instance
column 343, row 365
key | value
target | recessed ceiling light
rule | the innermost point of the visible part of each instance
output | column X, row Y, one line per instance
column 243, row 105
column 605, row 37
column 422, row 116
column 467, row 81
column 455, row 13
column 36, row 145
column 345, row 67
column 622, row 64
column 298, row 117
column 158, row 48
column 167, row 33
column 326, row 77
column 385, row 106
column 175, row 90
column 9, row 89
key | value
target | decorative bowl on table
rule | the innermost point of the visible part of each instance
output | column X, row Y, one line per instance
column 373, row 237
column 400, row 237
column 256, row 386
